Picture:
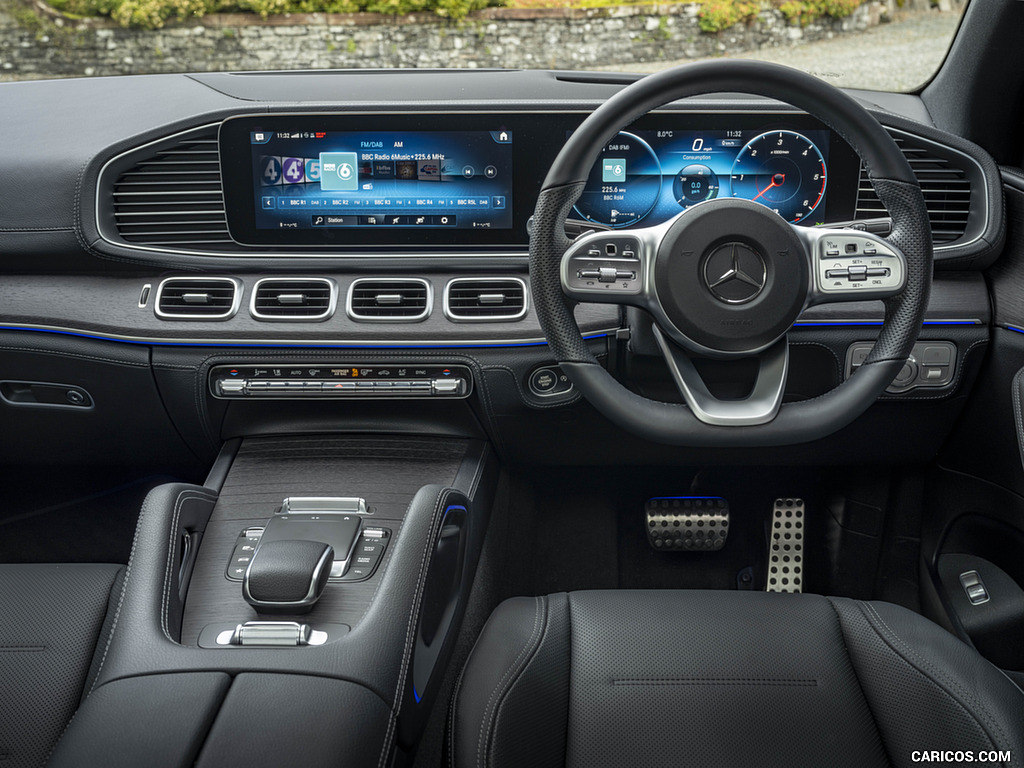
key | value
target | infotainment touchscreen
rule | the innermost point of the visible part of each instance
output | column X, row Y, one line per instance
column 307, row 178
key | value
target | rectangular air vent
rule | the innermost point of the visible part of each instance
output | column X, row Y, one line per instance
column 197, row 298
column 293, row 298
column 170, row 196
column 389, row 299
column 481, row 299
column 945, row 185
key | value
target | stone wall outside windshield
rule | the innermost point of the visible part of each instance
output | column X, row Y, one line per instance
column 557, row 38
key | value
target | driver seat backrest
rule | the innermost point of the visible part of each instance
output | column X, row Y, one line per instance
column 54, row 621
column 723, row 679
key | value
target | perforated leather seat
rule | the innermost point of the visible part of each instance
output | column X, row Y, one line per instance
column 729, row 679
column 52, row 620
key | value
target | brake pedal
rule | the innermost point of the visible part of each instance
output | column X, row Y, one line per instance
column 687, row 523
column 786, row 547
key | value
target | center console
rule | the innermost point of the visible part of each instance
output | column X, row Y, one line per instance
column 299, row 607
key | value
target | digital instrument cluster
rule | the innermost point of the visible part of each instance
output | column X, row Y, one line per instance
column 456, row 182
column 648, row 176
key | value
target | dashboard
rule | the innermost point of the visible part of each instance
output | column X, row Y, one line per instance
column 228, row 226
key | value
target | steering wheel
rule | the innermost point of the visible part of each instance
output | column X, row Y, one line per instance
column 727, row 278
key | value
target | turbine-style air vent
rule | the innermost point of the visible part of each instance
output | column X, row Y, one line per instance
column 197, row 298
column 293, row 298
column 389, row 299
column 171, row 196
column 945, row 184
column 484, row 299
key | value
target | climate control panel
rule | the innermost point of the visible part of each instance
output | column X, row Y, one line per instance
column 340, row 380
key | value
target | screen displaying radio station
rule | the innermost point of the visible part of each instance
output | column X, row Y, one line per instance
column 368, row 179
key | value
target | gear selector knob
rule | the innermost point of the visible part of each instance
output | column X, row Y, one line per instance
column 287, row 576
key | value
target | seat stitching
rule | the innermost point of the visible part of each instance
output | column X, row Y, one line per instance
column 908, row 654
column 522, row 672
column 484, row 729
column 860, row 685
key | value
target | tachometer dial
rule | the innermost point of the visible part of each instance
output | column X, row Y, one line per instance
column 695, row 184
column 783, row 171
column 624, row 184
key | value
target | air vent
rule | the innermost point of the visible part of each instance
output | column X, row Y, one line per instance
column 485, row 299
column 171, row 197
column 389, row 300
column 197, row 298
column 293, row 298
column 946, row 187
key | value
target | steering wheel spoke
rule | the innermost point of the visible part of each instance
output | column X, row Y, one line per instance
column 610, row 267
column 759, row 407
column 848, row 265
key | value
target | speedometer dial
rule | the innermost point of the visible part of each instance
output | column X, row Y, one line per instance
column 782, row 170
column 624, row 185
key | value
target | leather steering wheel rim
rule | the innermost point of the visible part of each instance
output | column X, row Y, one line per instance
column 894, row 182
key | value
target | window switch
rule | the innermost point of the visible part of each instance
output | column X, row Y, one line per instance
column 974, row 587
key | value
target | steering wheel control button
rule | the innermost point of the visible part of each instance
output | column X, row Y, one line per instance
column 549, row 381
column 786, row 547
column 735, row 273
column 931, row 365
column 601, row 263
column 857, row 266
column 687, row 523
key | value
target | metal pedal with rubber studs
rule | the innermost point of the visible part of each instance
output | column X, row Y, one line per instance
column 786, row 547
column 687, row 523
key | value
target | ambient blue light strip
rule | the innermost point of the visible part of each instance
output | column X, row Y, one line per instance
column 454, row 344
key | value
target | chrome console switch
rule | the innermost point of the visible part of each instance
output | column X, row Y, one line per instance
column 271, row 634
column 331, row 381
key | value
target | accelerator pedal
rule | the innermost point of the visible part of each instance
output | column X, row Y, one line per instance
column 687, row 523
column 786, row 547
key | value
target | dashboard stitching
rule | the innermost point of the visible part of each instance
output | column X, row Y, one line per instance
column 37, row 229
column 908, row 653
column 435, row 524
column 74, row 354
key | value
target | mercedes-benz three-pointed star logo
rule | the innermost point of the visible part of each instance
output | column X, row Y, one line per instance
column 735, row 273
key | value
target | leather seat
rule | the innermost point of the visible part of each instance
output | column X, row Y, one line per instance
column 729, row 679
column 53, row 624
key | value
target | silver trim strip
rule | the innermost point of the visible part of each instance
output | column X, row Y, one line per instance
column 489, row 318
column 390, row 318
column 332, row 303
column 236, row 299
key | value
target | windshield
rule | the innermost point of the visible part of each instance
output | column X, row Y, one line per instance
column 893, row 45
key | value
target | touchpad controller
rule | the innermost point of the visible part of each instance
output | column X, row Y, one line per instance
column 337, row 521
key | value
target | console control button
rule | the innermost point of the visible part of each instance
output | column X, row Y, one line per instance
column 366, row 555
column 241, row 555
column 931, row 365
column 548, row 381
